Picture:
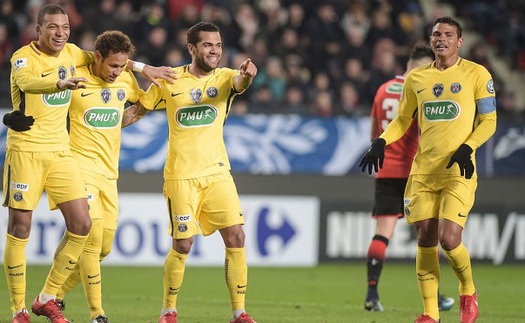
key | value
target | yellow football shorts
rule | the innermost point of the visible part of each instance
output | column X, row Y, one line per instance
column 102, row 194
column 439, row 197
column 28, row 174
column 202, row 205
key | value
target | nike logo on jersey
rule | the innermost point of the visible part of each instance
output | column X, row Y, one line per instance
column 461, row 215
column 45, row 74
column 241, row 286
column 85, row 94
column 174, row 289
column 419, row 91
column 175, row 94
column 72, row 262
column 89, row 276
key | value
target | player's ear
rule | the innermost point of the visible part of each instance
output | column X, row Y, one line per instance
column 460, row 42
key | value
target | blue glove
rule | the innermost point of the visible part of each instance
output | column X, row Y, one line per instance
column 462, row 157
column 374, row 156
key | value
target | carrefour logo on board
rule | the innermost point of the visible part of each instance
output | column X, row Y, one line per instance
column 441, row 110
column 57, row 99
column 102, row 117
column 199, row 116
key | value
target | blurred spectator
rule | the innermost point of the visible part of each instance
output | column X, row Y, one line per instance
column 322, row 105
column 7, row 48
column 356, row 18
column 155, row 48
column 273, row 77
column 239, row 107
column 244, row 27
column 383, row 27
column 262, row 101
column 320, row 83
column 325, row 33
column 294, row 101
column 348, row 102
column 87, row 40
column 175, row 57
column 355, row 73
column 355, row 47
column 153, row 16
column 296, row 73
column 8, row 18
column 384, row 67
column 176, row 7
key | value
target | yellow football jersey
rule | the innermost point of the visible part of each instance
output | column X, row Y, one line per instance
column 34, row 75
column 95, row 118
column 448, row 105
column 196, row 109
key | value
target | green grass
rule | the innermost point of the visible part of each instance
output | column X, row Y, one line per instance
column 327, row 293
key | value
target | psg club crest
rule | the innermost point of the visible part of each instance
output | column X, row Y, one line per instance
column 18, row 196
column 438, row 90
column 62, row 73
column 105, row 95
column 212, row 92
column 455, row 88
column 182, row 228
column 196, row 95
column 121, row 95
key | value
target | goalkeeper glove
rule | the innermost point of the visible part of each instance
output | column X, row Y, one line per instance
column 18, row 121
column 374, row 156
column 462, row 157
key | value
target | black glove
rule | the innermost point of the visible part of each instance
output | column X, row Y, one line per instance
column 374, row 156
column 18, row 121
column 462, row 157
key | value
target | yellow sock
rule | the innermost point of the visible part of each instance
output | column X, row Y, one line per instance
column 236, row 273
column 107, row 242
column 173, row 275
column 72, row 281
column 15, row 270
column 64, row 261
column 428, row 274
column 459, row 261
column 90, row 268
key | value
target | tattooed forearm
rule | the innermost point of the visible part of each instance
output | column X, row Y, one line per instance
column 133, row 114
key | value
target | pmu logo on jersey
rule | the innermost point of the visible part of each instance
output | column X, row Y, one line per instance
column 19, row 187
column 441, row 110
column 102, row 117
column 199, row 116
column 57, row 99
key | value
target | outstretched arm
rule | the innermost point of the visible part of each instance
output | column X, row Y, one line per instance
column 248, row 70
column 152, row 73
column 133, row 114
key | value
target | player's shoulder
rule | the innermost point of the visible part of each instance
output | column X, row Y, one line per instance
column 470, row 65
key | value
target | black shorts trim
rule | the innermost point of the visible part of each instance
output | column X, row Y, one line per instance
column 389, row 193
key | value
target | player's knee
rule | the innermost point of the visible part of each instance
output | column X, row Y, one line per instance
column 235, row 239
column 182, row 246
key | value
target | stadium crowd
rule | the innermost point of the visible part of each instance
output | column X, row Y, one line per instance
column 320, row 58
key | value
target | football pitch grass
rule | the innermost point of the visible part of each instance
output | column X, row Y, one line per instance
column 326, row 293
